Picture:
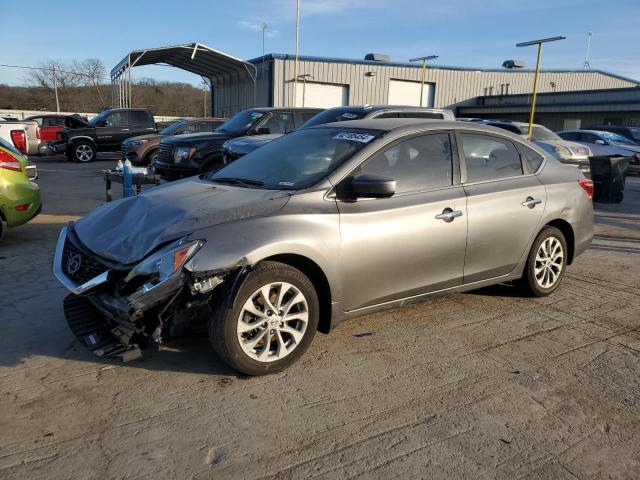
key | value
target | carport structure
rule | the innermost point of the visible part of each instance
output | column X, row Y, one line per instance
column 197, row 58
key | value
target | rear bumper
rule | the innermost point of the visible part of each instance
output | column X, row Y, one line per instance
column 17, row 194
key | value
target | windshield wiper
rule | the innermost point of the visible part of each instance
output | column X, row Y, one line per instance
column 245, row 182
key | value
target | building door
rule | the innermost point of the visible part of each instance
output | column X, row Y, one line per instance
column 321, row 95
column 402, row 92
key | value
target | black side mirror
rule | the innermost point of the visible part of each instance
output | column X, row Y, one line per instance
column 263, row 131
column 369, row 186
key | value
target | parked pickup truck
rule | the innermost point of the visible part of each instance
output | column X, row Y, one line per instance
column 103, row 133
column 187, row 155
column 22, row 134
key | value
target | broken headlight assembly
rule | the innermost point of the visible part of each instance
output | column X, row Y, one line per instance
column 162, row 265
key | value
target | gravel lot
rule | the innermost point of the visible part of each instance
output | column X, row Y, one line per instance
column 477, row 385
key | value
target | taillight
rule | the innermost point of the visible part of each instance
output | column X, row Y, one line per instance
column 587, row 186
column 38, row 133
column 19, row 139
column 9, row 162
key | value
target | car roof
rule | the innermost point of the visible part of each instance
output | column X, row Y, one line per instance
column 276, row 109
column 409, row 124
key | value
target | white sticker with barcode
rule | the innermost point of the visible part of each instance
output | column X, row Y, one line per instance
column 354, row 137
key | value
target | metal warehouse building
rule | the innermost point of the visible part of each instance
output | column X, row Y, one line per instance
column 328, row 82
column 567, row 97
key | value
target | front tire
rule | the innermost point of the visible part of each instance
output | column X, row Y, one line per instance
column 272, row 321
column 84, row 152
column 546, row 263
column 150, row 157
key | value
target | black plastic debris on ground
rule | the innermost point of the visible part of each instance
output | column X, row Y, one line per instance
column 365, row 334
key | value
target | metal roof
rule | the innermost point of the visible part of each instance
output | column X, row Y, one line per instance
column 192, row 57
column 306, row 58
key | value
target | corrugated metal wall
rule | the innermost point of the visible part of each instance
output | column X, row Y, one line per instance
column 452, row 87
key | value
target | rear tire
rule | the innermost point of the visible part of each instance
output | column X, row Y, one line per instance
column 83, row 151
column 272, row 322
column 546, row 264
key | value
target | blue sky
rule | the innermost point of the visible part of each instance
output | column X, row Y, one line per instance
column 480, row 33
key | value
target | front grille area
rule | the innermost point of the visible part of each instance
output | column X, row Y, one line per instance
column 80, row 267
column 165, row 153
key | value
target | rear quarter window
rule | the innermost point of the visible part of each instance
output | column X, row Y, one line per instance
column 532, row 158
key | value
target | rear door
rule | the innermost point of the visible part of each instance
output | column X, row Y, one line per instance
column 402, row 246
column 505, row 202
column 141, row 123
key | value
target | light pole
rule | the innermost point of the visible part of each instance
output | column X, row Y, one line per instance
column 55, row 87
column 295, row 63
column 263, row 26
column 304, row 77
column 424, row 72
column 537, row 75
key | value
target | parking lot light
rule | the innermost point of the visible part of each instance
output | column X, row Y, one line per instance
column 537, row 74
column 424, row 71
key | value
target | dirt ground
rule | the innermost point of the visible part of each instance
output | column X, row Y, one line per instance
column 478, row 385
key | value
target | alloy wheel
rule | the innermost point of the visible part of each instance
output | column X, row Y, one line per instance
column 273, row 322
column 84, row 153
column 549, row 262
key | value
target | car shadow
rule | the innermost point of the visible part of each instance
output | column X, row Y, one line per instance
column 499, row 290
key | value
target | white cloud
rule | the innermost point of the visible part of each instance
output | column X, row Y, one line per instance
column 257, row 26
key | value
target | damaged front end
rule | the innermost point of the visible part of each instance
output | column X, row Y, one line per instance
column 115, row 310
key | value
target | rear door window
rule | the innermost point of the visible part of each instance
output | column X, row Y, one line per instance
column 416, row 164
column 140, row 118
column 489, row 158
column 589, row 137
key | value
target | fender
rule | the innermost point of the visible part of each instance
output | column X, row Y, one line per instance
column 85, row 137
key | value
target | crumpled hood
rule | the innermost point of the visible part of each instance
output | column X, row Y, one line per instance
column 127, row 230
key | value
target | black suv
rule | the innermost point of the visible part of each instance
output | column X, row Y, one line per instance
column 239, row 147
column 188, row 155
column 104, row 133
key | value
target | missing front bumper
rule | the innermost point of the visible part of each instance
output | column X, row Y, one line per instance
column 97, row 333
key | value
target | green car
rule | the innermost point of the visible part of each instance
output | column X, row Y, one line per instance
column 19, row 196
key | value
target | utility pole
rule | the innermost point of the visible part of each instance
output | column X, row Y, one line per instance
column 424, row 72
column 55, row 87
column 539, row 43
column 295, row 63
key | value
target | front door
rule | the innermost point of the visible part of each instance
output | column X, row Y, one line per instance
column 413, row 242
column 504, row 205
column 115, row 129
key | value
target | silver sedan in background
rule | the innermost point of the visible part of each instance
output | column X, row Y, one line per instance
column 318, row 226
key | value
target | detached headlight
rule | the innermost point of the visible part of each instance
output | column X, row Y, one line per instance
column 138, row 142
column 183, row 153
column 562, row 152
column 163, row 264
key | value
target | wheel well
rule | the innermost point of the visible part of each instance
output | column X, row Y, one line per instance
column 211, row 160
column 147, row 156
column 567, row 230
column 319, row 280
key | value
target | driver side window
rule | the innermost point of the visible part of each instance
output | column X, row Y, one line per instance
column 416, row 164
column 117, row 119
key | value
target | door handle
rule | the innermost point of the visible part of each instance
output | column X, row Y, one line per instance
column 126, row 129
column 448, row 215
column 531, row 202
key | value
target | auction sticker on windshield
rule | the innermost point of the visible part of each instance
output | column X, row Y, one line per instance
column 354, row 137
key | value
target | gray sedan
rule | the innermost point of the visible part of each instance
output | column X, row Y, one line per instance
column 319, row 226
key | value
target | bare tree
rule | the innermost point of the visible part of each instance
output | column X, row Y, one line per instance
column 91, row 70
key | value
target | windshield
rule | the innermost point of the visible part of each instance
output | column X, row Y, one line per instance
column 542, row 133
column 297, row 160
column 333, row 115
column 173, row 128
column 240, row 122
column 99, row 117
column 618, row 139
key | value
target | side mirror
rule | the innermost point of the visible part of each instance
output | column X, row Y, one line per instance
column 600, row 142
column 369, row 186
column 263, row 131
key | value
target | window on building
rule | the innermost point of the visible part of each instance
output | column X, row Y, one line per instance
column 571, row 123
